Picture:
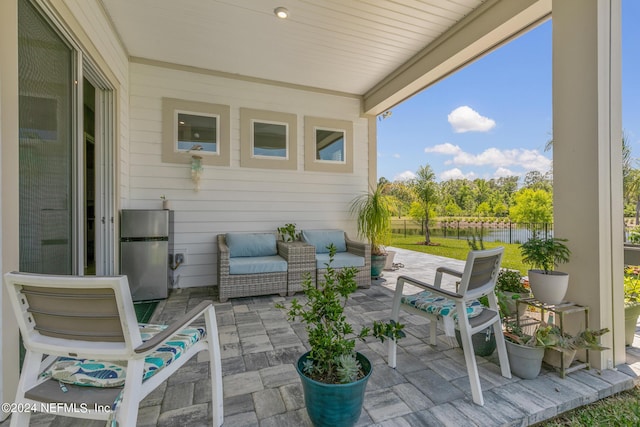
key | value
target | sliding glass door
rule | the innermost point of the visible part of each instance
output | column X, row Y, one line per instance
column 66, row 145
column 46, row 105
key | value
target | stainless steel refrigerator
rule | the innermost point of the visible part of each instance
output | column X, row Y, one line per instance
column 145, row 237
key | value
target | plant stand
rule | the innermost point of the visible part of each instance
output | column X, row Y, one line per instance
column 556, row 314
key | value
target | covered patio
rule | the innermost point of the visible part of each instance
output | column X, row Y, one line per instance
column 328, row 65
column 429, row 387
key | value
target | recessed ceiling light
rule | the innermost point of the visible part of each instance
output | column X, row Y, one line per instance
column 281, row 12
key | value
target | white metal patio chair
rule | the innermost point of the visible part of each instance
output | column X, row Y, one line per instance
column 478, row 279
column 86, row 356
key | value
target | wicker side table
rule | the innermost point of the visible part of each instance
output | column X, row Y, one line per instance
column 301, row 259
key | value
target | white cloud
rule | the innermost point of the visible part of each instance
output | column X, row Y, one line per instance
column 517, row 157
column 503, row 173
column 505, row 161
column 404, row 176
column 466, row 119
column 446, row 148
column 456, row 173
column 396, row 156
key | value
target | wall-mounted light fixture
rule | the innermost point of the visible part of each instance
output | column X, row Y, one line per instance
column 281, row 12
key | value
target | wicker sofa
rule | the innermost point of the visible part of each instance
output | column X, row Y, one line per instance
column 250, row 264
column 350, row 253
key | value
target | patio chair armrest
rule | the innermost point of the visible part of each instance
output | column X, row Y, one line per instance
column 358, row 248
column 450, row 271
column 428, row 287
column 181, row 323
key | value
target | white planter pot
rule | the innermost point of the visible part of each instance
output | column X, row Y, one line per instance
column 388, row 265
column 548, row 288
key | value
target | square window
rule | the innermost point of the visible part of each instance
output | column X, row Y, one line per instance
column 197, row 132
column 330, row 145
column 191, row 126
column 270, row 139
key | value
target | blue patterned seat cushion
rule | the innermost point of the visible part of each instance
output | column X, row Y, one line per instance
column 438, row 305
column 95, row 373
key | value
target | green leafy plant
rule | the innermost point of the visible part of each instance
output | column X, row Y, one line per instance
column 373, row 215
column 634, row 235
column 332, row 338
column 510, row 281
column 548, row 335
column 631, row 286
column 545, row 253
column 288, row 233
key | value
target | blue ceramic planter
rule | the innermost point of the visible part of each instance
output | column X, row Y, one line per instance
column 334, row 405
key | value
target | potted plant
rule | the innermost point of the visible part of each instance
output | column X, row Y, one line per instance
column 288, row 233
column 631, row 302
column 525, row 352
column 512, row 287
column 543, row 254
column 333, row 374
column 566, row 345
column 373, row 215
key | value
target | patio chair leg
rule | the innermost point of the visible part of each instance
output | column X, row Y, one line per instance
column 472, row 369
column 505, row 368
column 433, row 328
column 215, row 367
column 127, row 413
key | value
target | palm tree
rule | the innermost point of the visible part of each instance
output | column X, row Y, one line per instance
column 426, row 189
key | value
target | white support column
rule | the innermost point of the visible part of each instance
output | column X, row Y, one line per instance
column 587, row 160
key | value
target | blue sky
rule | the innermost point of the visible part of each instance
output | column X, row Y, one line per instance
column 494, row 117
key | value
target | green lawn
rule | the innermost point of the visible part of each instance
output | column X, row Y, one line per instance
column 458, row 249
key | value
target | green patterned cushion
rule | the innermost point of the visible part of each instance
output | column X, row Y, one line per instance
column 440, row 306
column 95, row 373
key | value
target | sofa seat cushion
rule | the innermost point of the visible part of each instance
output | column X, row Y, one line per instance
column 323, row 238
column 340, row 260
column 258, row 264
column 251, row 244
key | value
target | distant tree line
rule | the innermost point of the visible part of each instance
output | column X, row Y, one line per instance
column 422, row 198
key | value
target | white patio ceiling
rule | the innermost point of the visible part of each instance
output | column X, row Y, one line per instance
column 356, row 47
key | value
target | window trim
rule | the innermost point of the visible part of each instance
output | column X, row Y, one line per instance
column 248, row 117
column 171, row 107
column 311, row 163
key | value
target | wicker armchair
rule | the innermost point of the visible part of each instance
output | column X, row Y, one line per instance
column 243, row 285
column 362, row 250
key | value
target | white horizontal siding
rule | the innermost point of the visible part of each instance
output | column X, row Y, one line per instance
column 235, row 198
column 91, row 17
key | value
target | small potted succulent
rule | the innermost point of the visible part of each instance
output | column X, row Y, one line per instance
column 333, row 374
column 543, row 255
column 631, row 302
